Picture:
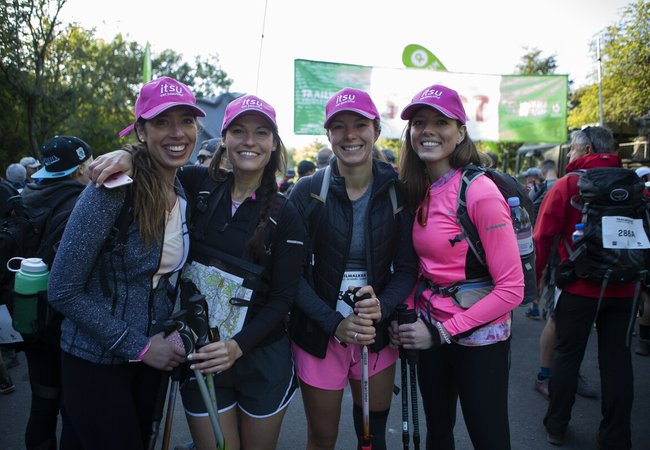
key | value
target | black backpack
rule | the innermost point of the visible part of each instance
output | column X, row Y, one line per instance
column 28, row 233
column 509, row 187
column 615, row 247
column 312, row 216
column 22, row 233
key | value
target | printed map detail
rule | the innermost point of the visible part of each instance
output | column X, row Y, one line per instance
column 219, row 287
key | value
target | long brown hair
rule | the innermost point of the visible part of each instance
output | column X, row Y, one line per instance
column 267, row 190
column 149, row 200
column 413, row 173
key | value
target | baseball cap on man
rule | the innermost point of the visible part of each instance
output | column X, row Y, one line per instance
column 16, row 173
column 62, row 155
column 532, row 172
column 159, row 95
column 30, row 162
column 439, row 97
column 305, row 166
column 245, row 105
column 348, row 99
column 209, row 146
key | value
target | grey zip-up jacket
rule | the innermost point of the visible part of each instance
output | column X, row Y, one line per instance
column 113, row 329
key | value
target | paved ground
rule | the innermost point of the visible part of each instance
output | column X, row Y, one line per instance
column 527, row 407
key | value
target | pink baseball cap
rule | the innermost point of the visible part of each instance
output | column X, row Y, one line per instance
column 445, row 100
column 159, row 95
column 246, row 105
column 348, row 99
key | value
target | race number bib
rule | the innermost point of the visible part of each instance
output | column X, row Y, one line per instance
column 357, row 278
column 624, row 233
column 219, row 287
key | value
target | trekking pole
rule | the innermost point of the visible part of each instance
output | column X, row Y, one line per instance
column 401, row 314
column 366, row 440
column 198, row 321
column 168, row 327
column 414, row 404
column 405, row 316
column 177, row 321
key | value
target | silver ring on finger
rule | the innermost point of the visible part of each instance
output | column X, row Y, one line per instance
column 356, row 335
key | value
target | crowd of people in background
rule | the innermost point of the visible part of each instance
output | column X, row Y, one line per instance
column 323, row 280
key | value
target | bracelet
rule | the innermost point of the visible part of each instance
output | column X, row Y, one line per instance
column 144, row 350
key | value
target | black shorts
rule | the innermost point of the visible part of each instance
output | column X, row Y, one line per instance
column 261, row 382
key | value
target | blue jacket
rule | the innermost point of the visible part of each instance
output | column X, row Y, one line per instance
column 99, row 329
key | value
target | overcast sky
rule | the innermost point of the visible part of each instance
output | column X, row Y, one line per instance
column 472, row 36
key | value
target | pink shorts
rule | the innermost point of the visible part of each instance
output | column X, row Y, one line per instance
column 339, row 365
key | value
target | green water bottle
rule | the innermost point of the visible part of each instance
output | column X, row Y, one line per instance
column 30, row 279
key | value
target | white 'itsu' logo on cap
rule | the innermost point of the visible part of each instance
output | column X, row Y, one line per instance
column 170, row 89
column 432, row 93
column 345, row 98
column 252, row 103
column 80, row 153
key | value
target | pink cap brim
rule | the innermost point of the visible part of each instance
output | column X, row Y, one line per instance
column 363, row 113
column 410, row 109
column 249, row 111
column 159, row 109
column 127, row 130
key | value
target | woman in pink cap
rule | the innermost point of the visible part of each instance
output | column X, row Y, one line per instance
column 360, row 238
column 246, row 258
column 465, row 352
column 113, row 289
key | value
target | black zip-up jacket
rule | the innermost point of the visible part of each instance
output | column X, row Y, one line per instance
column 265, row 320
column 391, row 262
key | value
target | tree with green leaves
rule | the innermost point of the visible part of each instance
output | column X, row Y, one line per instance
column 532, row 63
column 57, row 79
column 625, row 58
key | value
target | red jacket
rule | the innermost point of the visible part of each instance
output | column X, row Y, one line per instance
column 557, row 217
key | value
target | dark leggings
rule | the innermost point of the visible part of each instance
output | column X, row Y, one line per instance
column 479, row 377
column 45, row 379
column 110, row 406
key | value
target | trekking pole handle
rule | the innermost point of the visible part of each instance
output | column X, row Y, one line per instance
column 404, row 316
column 198, row 319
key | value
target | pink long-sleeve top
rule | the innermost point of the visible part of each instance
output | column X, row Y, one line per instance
column 488, row 320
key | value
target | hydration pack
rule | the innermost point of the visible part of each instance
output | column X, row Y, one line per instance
column 509, row 187
column 615, row 247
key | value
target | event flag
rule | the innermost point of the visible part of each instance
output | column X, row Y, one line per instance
column 146, row 64
column 418, row 57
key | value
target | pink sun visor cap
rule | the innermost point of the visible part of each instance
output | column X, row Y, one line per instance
column 159, row 95
column 445, row 100
column 348, row 99
column 248, row 104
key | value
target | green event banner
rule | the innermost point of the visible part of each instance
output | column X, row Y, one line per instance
column 509, row 108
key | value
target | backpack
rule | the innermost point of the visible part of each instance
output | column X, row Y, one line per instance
column 319, row 183
column 28, row 233
column 614, row 247
column 254, row 275
column 509, row 187
column 312, row 215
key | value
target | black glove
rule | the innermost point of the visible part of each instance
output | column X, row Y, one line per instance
column 438, row 332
